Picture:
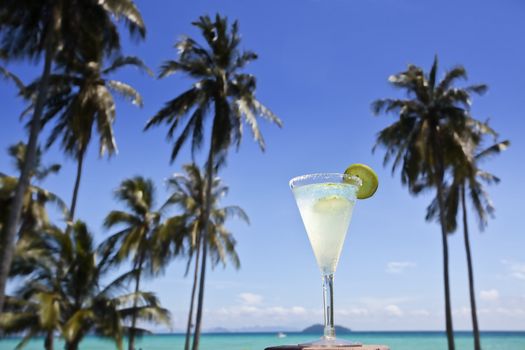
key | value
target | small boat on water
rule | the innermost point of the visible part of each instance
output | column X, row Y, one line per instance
column 281, row 335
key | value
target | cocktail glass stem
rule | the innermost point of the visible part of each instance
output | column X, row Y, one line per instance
column 328, row 301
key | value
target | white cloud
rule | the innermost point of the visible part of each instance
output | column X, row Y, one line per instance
column 398, row 266
column 516, row 269
column 420, row 312
column 257, row 312
column 298, row 310
column 355, row 311
column 250, row 298
column 393, row 310
column 489, row 295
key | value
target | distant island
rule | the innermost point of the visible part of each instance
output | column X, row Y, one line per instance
column 319, row 329
column 218, row 330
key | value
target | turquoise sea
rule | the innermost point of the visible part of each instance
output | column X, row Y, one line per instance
column 258, row 341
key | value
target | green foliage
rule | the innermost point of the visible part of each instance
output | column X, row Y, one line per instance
column 219, row 84
column 81, row 100
column 143, row 237
column 469, row 176
column 188, row 195
column 434, row 123
column 144, row 234
column 64, row 293
column 35, row 205
column 429, row 140
column 71, row 26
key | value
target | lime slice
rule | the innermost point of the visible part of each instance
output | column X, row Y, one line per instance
column 331, row 204
column 368, row 178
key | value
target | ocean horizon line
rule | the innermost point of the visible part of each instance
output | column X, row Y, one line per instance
column 520, row 332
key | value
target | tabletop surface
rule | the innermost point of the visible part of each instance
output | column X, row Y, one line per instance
column 356, row 347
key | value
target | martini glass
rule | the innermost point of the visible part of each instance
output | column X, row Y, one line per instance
column 326, row 202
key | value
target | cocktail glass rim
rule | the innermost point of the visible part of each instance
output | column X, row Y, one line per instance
column 355, row 181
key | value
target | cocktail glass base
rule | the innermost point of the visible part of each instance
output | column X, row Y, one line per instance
column 330, row 342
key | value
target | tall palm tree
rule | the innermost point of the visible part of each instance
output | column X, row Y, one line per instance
column 429, row 136
column 189, row 197
column 470, row 177
column 64, row 293
column 220, row 85
column 53, row 29
column 142, row 236
column 80, row 98
column 31, row 246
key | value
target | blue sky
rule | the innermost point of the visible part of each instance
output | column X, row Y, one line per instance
column 321, row 64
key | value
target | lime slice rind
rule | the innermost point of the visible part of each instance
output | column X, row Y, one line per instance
column 368, row 177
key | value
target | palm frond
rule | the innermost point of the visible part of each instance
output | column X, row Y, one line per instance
column 252, row 122
column 236, row 211
column 450, row 77
column 118, row 284
column 174, row 110
column 117, row 217
column 126, row 91
column 123, row 61
column 15, row 79
column 127, row 10
column 478, row 89
column 492, row 150
column 104, row 122
column 76, row 323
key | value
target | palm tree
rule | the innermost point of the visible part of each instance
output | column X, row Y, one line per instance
column 470, row 176
column 434, row 123
column 189, row 197
column 82, row 101
column 31, row 247
column 40, row 172
column 143, row 235
column 221, row 85
column 34, row 317
column 64, row 293
column 34, row 215
column 54, row 29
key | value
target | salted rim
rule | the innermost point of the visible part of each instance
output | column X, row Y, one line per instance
column 315, row 176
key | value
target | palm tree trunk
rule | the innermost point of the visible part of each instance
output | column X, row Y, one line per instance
column 473, row 310
column 72, row 345
column 439, row 173
column 131, row 343
column 192, row 301
column 446, row 278
column 209, row 175
column 80, row 164
column 13, row 220
column 200, row 302
column 48, row 342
